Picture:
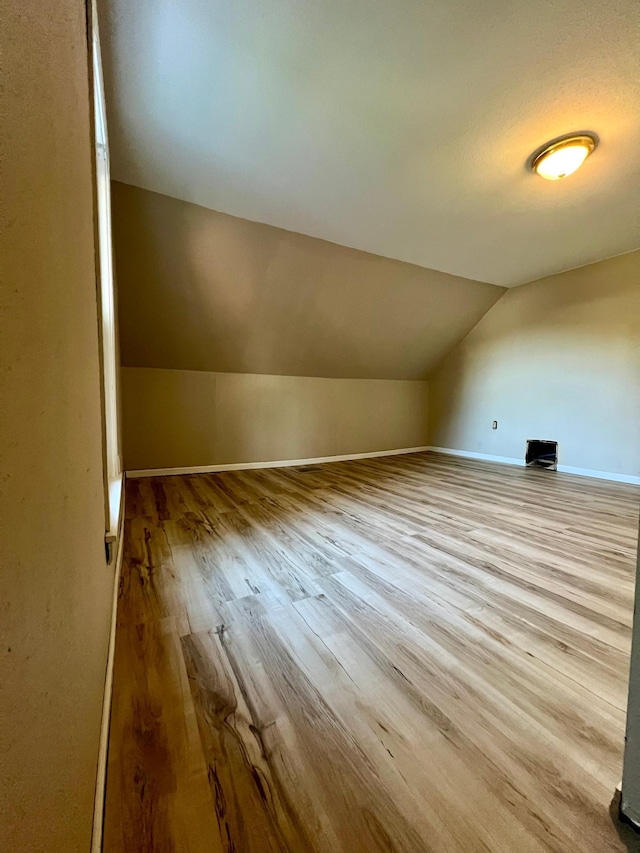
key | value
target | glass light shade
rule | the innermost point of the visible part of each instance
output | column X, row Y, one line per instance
column 563, row 158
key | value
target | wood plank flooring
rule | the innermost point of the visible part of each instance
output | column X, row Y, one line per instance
column 411, row 653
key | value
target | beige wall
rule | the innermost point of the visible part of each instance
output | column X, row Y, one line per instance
column 556, row 359
column 201, row 290
column 177, row 418
column 55, row 589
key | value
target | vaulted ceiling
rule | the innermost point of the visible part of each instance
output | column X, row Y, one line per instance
column 401, row 128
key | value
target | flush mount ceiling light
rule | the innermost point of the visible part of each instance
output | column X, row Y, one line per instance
column 563, row 156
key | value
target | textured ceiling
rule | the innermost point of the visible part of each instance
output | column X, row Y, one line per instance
column 399, row 127
column 199, row 290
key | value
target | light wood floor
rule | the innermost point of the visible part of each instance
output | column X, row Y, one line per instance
column 415, row 653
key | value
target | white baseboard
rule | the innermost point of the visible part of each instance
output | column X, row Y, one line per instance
column 103, row 747
column 563, row 469
column 600, row 475
column 280, row 463
column 317, row 460
column 470, row 454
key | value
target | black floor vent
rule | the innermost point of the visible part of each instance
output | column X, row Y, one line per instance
column 542, row 454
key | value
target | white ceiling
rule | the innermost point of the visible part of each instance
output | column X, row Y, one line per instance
column 398, row 127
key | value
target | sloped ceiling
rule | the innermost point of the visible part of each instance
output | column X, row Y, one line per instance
column 200, row 290
column 401, row 128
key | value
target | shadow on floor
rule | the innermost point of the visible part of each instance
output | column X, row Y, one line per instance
column 626, row 833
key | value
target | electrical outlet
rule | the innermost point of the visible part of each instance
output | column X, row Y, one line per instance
column 494, row 425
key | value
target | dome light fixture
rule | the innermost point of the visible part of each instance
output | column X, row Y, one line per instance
column 562, row 156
